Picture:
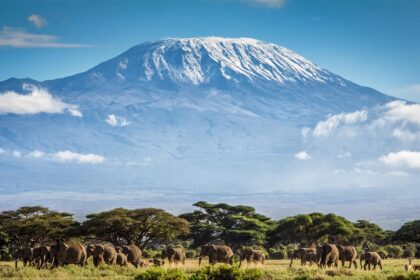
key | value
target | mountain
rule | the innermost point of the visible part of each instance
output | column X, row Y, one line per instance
column 182, row 119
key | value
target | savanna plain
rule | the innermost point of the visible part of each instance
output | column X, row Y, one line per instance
column 272, row 269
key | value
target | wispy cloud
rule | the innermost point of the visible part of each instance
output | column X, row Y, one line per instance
column 68, row 156
column 324, row 128
column 20, row 38
column 37, row 20
column 17, row 153
column 303, row 155
column 269, row 3
column 39, row 100
column 410, row 159
column 114, row 120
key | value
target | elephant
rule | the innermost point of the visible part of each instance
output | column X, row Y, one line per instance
column 25, row 255
column 327, row 255
column 216, row 254
column 41, row 256
column 347, row 253
column 68, row 254
column 310, row 257
column 133, row 254
column 300, row 254
column 250, row 255
column 102, row 253
column 157, row 262
column 174, row 255
column 370, row 258
column 121, row 259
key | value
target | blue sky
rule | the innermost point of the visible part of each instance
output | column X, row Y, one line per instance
column 373, row 43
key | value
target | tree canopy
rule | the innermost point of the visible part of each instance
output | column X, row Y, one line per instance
column 409, row 232
column 143, row 227
column 310, row 228
column 32, row 225
column 233, row 225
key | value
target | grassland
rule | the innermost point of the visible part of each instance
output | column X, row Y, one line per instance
column 273, row 269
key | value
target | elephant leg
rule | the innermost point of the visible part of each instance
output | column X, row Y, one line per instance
column 380, row 265
column 355, row 264
column 365, row 265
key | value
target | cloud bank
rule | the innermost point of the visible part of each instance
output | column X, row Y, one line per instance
column 408, row 159
column 324, row 128
column 38, row 100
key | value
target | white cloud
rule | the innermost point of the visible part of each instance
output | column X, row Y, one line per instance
column 324, row 128
column 36, row 154
column 401, row 111
column 305, row 131
column 37, row 20
column 408, row 159
column 16, row 153
column 303, row 155
column 114, row 120
column 343, row 155
column 269, row 3
column 37, row 101
column 20, row 38
column 404, row 134
column 68, row 156
column 2, row 151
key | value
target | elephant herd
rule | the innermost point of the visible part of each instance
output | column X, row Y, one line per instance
column 329, row 255
column 61, row 254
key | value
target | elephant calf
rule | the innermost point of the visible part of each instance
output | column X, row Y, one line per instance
column 121, row 259
column 300, row 254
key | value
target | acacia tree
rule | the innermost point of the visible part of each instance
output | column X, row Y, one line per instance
column 409, row 232
column 32, row 225
column 143, row 227
column 367, row 232
column 234, row 225
column 310, row 228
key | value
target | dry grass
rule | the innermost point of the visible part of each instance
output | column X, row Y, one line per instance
column 276, row 269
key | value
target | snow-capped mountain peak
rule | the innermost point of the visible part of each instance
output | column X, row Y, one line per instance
column 209, row 60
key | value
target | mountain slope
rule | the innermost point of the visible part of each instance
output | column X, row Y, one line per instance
column 203, row 115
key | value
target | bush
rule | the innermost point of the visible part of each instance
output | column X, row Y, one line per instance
column 277, row 255
column 394, row 251
column 149, row 254
column 151, row 274
column 190, row 254
column 161, row 274
column 225, row 272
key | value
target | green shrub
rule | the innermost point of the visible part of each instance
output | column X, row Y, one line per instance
column 149, row 254
column 151, row 274
column 394, row 251
column 277, row 255
column 225, row 272
column 410, row 276
column 161, row 274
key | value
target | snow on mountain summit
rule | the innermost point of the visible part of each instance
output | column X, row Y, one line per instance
column 208, row 60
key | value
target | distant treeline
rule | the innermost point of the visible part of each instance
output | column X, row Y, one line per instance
column 236, row 226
